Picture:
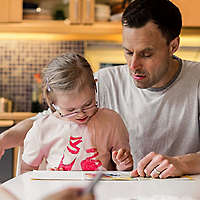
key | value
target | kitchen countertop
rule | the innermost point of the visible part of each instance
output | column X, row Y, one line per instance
column 15, row 116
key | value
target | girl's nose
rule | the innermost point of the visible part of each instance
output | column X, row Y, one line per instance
column 81, row 112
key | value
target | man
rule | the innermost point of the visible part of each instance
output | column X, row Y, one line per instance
column 157, row 94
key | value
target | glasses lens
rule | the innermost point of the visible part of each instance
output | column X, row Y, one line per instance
column 87, row 108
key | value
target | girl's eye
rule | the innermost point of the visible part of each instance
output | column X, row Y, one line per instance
column 71, row 110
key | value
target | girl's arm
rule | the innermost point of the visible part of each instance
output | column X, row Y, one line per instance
column 25, row 167
column 121, row 155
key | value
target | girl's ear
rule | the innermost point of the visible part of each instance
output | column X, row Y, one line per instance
column 174, row 44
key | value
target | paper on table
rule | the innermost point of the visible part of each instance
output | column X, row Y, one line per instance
column 80, row 175
column 125, row 176
column 89, row 175
column 112, row 176
column 57, row 175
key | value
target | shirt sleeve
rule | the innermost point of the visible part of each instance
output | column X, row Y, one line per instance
column 199, row 105
column 32, row 154
column 41, row 114
column 97, row 87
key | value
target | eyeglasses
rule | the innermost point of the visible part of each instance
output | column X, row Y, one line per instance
column 74, row 113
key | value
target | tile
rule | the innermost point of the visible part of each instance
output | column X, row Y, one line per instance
column 21, row 59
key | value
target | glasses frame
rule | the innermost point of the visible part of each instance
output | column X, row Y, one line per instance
column 74, row 113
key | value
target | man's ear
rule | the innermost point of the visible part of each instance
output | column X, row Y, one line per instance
column 95, row 80
column 174, row 44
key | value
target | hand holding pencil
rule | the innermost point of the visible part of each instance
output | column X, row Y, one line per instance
column 77, row 193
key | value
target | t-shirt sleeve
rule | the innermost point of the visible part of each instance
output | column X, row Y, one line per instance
column 32, row 154
column 41, row 114
column 96, row 77
column 199, row 104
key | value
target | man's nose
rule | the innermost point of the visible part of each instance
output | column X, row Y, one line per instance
column 134, row 62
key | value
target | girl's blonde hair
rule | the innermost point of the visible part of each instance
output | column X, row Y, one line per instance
column 67, row 72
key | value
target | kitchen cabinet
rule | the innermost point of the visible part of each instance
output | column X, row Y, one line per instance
column 81, row 11
column 58, row 29
column 10, row 10
column 190, row 12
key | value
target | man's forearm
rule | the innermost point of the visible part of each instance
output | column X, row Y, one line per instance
column 190, row 163
column 15, row 135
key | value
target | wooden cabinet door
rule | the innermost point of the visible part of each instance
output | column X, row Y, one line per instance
column 11, row 10
column 190, row 12
column 88, row 10
column 75, row 7
column 81, row 11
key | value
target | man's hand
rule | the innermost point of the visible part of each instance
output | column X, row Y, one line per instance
column 123, row 159
column 157, row 165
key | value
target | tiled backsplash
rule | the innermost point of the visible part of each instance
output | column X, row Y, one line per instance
column 20, row 59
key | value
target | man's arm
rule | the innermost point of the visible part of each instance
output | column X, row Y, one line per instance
column 157, row 165
column 15, row 135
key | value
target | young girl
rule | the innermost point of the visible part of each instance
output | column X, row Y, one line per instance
column 77, row 135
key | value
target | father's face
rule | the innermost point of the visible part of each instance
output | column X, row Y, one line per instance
column 148, row 56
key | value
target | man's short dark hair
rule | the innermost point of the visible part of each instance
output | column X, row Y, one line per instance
column 161, row 12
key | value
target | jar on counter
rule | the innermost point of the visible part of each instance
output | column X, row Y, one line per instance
column 5, row 105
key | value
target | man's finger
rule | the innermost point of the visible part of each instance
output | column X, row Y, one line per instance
column 144, row 162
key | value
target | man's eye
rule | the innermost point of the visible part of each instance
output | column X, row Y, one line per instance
column 129, row 53
column 146, row 54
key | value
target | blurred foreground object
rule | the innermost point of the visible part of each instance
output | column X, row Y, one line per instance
column 70, row 194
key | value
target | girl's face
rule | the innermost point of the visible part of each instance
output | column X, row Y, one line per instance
column 76, row 106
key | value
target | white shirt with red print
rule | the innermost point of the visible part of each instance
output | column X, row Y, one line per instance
column 70, row 146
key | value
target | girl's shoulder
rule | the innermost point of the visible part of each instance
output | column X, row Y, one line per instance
column 107, row 112
column 107, row 115
column 47, row 121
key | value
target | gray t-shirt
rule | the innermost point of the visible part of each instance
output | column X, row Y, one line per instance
column 165, row 121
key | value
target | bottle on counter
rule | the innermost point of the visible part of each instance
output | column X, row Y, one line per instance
column 36, row 105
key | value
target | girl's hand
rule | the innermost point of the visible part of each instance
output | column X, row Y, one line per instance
column 123, row 159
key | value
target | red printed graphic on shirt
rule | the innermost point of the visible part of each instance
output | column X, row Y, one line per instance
column 88, row 164
column 74, row 144
column 66, row 167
